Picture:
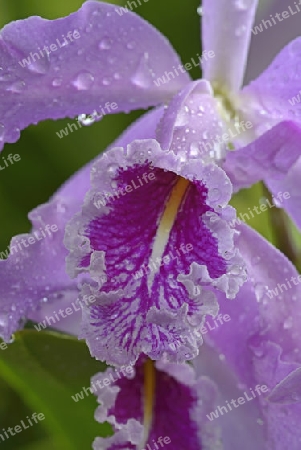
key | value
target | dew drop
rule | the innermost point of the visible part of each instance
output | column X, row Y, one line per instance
column 255, row 260
column 89, row 28
column 41, row 66
column 260, row 291
column 86, row 119
column 214, row 195
column 2, row 131
column 56, row 82
column 288, row 323
column 105, row 44
column 200, row 11
column 112, row 168
column 106, row 82
column 5, row 77
column 243, row 4
column 240, row 30
column 194, row 150
column 142, row 77
column 131, row 45
column 17, row 87
column 83, row 81
column 61, row 208
column 235, row 270
column 3, row 321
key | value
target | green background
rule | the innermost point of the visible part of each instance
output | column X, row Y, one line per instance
column 28, row 380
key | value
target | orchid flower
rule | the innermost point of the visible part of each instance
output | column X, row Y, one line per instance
column 131, row 67
column 157, row 405
column 194, row 115
column 181, row 163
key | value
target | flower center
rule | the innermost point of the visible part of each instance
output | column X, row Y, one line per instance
column 166, row 223
column 232, row 116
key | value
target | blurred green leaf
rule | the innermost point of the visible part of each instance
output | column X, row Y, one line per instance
column 47, row 369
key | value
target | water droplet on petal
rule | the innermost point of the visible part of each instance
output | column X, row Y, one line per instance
column 255, row 260
column 56, row 82
column 105, row 44
column 41, row 66
column 131, row 45
column 83, row 81
column 17, row 87
column 288, row 323
column 214, row 195
column 235, row 270
column 89, row 28
column 3, row 321
column 240, row 30
column 112, row 168
column 194, row 150
column 2, row 131
column 243, row 4
column 260, row 291
column 200, row 11
column 87, row 119
column 143, row 77
column 5, row 76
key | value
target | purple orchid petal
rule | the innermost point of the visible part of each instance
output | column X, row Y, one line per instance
column 277, row 89
column 272, row 158
column 191, row 123
column 288, row 391
column 226, row 30
column 239, row 425
column 263, row 344
column 291, row 184
column 180, row 403
column 28, row 276
column 115, row 60
column 269, row 157
column 154, row 236
column 37, row 272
